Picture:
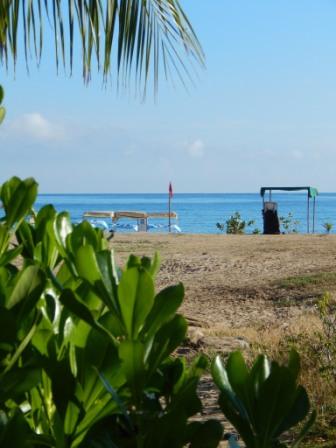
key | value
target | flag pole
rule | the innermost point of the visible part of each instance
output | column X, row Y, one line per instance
column 169, row 222
column 170, row 195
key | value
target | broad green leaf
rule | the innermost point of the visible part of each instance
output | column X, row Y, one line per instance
column 127, row 293
column 237, row 372
column 166, row 340
column 62, row 228
column 18, row 197
column 221, row 378
column 4, row 238
column 83, row 234
column 294, row 363
column 69, row 300
column 297, row 412
column 18, row 381
column 10, row 255
column 277, row 396
column 155, row 265
column 143, row 302
column 71, row 418
column 165, row 306
column 304, row 430
column 86, row 264
column 24, row 235
column 116, row 398
column 2, row 114
column 133, row 262
column 204, row 435
column 131, row 354
column 29, row 285
column 136, row 297
column 105, row 262
column 260, row 371
column 77, row 332
column 17, row 433
column 220, row 375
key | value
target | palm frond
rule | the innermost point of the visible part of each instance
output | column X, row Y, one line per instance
column 133, row 39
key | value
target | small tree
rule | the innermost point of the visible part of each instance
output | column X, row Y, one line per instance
column 327, row 227
column 289, row 223
column 236, row 225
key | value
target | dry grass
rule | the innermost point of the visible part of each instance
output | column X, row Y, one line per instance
column 325, row 280
column 252, row 293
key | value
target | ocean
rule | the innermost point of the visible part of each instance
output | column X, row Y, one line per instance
column 197, row 213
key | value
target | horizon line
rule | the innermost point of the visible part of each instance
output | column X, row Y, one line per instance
column 179, row 193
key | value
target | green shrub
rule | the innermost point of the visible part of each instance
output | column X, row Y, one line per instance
column 87, row 349
column 234, row 225
column 289, row 223
column 328, row 226
column 263, row 402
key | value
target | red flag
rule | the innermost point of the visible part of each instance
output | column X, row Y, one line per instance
column 170, row 190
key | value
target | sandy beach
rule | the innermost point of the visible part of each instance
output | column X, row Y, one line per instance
column 242, row 291
column 235, row 282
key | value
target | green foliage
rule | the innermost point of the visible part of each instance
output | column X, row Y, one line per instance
column 123, row 36
column 321, row 279
column 327, row 338
column 328, row 226
column 2, row 109
column 220, row 226
column 87, row 349
column 288, row 223
column 263, row 402
column 235, row 224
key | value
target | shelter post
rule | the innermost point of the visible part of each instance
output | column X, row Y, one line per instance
column 314, row 208
column 308, row 213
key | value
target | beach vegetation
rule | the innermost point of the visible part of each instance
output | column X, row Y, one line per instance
column 263, row 402
column 321, row 279
column 236, row 225
column 88, row 349
column 328, row 226
column 316, row 343
column 289, row 223
column 125, row 39
column 220, row 226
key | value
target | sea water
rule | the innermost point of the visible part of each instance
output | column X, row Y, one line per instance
column 197, row 213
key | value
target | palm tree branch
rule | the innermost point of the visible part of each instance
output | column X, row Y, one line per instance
column 144, row 36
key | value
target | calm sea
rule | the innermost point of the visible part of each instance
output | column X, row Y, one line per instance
column 197, row 213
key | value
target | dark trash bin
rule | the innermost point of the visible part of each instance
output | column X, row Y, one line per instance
column 271, row 219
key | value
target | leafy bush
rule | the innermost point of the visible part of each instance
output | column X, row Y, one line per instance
column 263, row 402
column 289, row 223
column 234, row 225
column 87, row 349
column 328, row 226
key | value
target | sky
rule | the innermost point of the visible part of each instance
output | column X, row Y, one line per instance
column 263, row 112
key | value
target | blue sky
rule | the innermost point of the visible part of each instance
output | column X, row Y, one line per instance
column 262, row 113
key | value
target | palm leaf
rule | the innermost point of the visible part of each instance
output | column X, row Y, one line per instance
column 131, row 40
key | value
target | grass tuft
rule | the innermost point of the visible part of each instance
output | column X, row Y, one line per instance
column 325, row 279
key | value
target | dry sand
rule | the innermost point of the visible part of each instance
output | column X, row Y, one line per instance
column 232, row 281
column 235, row 297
